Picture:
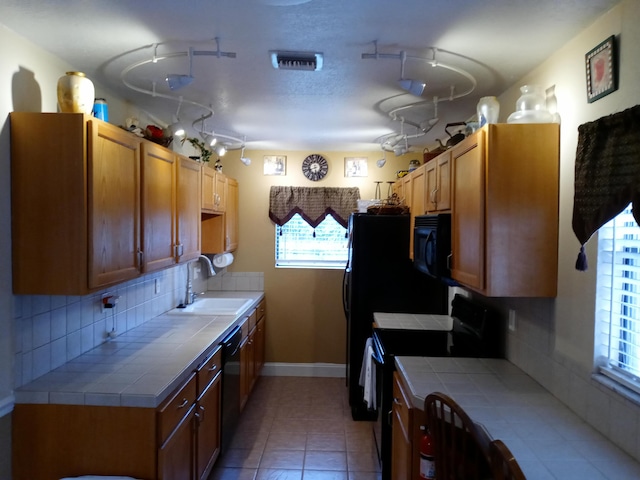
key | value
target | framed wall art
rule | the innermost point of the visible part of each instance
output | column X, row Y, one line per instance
column 601, row 70
column 355, row 167
column 275, row 165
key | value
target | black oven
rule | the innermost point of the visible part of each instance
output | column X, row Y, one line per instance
column 475, row 332
column 432, row 245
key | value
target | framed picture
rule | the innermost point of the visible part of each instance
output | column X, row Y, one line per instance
column 275, row 165
column 601, row 70
column 355, row 167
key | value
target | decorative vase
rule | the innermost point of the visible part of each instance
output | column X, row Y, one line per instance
column 488, row 110
column 531, row 106
column 75, row 93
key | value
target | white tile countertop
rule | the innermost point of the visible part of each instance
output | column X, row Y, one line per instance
column 140, row 367
column 411, row 321
column 547, row 439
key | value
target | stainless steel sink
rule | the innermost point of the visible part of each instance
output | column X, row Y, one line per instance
column 213, row 306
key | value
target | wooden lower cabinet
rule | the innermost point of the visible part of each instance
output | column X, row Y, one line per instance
column 405, row 434
column 252, row 350
column 176, row 456
column 178, row 441
column 208, row 428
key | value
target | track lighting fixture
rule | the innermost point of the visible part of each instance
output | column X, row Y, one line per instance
column 246, row 161
column 221, row 150
column 210, row 140
column 380, row 163
column 176, row 81
column 176, row 128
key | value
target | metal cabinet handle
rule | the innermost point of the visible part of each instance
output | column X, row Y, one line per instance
column 184, row 403
column 213, row 367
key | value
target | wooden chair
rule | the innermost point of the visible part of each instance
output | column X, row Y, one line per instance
column 461, row 446
column 503, row 465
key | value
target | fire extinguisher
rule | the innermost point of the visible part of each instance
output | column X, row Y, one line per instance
column 427, row 456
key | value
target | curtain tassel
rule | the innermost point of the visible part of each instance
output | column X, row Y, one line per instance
column 581, row 262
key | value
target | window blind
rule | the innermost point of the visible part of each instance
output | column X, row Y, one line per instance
column 618, row 299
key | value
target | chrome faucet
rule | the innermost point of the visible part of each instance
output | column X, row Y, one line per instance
column 210, row 271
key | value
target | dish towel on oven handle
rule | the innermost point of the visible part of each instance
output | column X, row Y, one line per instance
column 368, row 375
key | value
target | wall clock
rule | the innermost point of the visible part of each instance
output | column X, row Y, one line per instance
column 315, row 167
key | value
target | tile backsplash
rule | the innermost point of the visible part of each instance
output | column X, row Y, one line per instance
column 51, row 330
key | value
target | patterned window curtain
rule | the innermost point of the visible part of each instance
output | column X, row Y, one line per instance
column 607, row 173
column 312, row 203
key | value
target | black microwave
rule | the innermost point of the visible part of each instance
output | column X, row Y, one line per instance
column 432, row 245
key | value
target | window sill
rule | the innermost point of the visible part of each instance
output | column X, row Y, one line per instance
column 617, row 387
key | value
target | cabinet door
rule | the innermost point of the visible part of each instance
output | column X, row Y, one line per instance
column 208, row 429
column 220, row 193
column 244, row 372
column 443, row 182
column 401, row 444
column 188, row 209
column 259, row 350
column 467, row 219
column 231, row 216
column 158, row 207
column 417, row 204
column 176, row 456
column 208, row 189
column 431, row 185
column 114, row 193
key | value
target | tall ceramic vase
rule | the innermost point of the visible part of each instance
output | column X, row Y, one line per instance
column 488, row 110
column 75, row 93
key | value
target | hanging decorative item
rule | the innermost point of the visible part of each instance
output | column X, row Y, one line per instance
column 75, row 93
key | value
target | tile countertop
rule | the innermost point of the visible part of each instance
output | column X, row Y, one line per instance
column 548, row 440
column 411, row 321
column 140, row 367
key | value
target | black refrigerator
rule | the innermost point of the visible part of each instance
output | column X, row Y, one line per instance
column 379, row 277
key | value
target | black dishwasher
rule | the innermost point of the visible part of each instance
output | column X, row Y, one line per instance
column 230, row 386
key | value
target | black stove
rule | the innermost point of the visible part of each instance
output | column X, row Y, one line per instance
column 475, row 332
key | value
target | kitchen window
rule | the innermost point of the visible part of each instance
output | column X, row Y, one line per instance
column 618, row 300
column 299, row 245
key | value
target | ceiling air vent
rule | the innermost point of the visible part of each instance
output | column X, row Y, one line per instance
column 296, row 60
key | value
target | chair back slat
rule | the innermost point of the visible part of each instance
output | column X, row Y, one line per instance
column 503, row 464
column 461, row 446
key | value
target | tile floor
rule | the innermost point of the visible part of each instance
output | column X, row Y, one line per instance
column 296, row 428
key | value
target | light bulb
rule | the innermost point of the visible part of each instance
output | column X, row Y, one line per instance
column 211, row 140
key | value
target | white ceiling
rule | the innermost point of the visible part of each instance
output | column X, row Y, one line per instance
column 344, row 106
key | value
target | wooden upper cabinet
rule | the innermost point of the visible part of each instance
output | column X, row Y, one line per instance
column 438, row 183
column 94, row 205
column 75, row 204
column 158, row 207
column 417, row 204
column 231, row 216
column 188, row 209
column 220, row 230
column 505, row 190
column 214, row 186
column 114, row 204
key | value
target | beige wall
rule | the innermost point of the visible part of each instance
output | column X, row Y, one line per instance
column 554, row 340
column 306, row 321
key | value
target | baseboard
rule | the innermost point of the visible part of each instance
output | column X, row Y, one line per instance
column 277, row 369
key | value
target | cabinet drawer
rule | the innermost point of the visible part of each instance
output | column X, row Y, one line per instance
column 209, row 369
column 253, row 319
column 401, row 403
column 175, row 408
column 262, row 308
column 244, row 327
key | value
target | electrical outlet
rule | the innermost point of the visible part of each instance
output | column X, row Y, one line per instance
column 512, row 320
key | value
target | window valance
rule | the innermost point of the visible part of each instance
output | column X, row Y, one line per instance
column 607, row 173
column 312, row 203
